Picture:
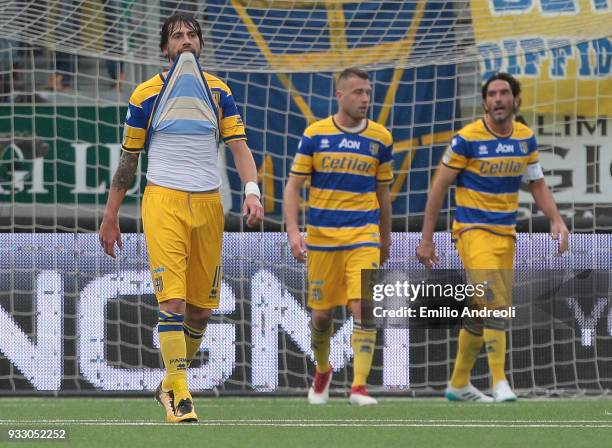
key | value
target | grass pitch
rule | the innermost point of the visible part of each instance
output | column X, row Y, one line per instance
column 292, row 423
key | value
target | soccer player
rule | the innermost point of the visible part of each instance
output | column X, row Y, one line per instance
column 177, row 118
column 348, row 159
column 489, row 159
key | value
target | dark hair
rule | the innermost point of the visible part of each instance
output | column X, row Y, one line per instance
column 353, row 71
column 514, row 84
column 175, row 21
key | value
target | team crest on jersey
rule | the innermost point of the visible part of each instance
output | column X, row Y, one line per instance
column 374, row 147
column 482, row 150
column 216, row 98
column 316, row 293
column 524, row 147
column 158, row 284
column 324, row 143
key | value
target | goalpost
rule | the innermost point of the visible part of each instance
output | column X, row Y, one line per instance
column 74, row 321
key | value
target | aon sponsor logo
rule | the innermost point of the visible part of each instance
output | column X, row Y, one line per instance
column 350, row 144
column 504, row 148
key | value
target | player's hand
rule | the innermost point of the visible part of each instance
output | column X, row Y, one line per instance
column 385, row 251
column 110, row 234
column 252, row 210
column 560, row 233
column 426, row 253
column 298, row 246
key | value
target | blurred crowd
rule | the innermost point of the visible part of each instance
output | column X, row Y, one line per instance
column 29, row 73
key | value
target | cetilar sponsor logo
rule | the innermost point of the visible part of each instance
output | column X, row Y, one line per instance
column 346, row 163
column 504, row 168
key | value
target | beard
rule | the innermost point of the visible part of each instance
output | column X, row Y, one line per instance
column 502, row 115
column 358, row 115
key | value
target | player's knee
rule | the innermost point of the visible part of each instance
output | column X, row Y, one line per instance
column 321, row 320
column 173, row 306
column 197, row 316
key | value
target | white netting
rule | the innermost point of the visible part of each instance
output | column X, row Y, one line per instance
column 283, row 36
column 66, row 71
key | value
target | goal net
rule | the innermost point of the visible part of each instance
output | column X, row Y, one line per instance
column 75, row 321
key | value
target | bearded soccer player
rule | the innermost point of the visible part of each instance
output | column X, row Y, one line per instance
column 348, row 159
column 489, row 159
column 177, row 118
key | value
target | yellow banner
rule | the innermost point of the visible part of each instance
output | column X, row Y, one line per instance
column 560, row 50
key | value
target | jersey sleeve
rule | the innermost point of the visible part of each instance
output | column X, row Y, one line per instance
column 534, row 169
column 135, row 126
column 534, row 154
column 457, row 154
column 302, row 163
column 231, row 124
column 384, row 172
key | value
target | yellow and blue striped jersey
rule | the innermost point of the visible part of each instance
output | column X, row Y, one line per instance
column 344, row 169
column 491, row 169
column 142, row 102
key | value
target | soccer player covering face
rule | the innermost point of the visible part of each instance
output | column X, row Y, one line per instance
column 177, row 118
column 348, row 160
column 489, row 159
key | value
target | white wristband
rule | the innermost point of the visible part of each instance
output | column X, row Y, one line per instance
column 252, row 188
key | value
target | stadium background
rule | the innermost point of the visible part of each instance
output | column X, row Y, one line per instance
column 427, row 61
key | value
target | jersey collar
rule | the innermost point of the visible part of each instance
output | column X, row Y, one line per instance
column 340, row 128
column 484, row 122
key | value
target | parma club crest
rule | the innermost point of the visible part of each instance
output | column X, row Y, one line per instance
column 158, row 284
column 216, row 98
column 524, row 147
column 316, row 291
column 374, row 147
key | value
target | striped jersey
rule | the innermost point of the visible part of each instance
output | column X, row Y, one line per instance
column 491, row 170
column 144, row 96
column 178, row 121
column 344, row 169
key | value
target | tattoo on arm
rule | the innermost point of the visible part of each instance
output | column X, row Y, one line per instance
column 125, row 171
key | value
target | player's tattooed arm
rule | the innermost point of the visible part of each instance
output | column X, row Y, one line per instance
column 110, row 233
column 128, row 164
